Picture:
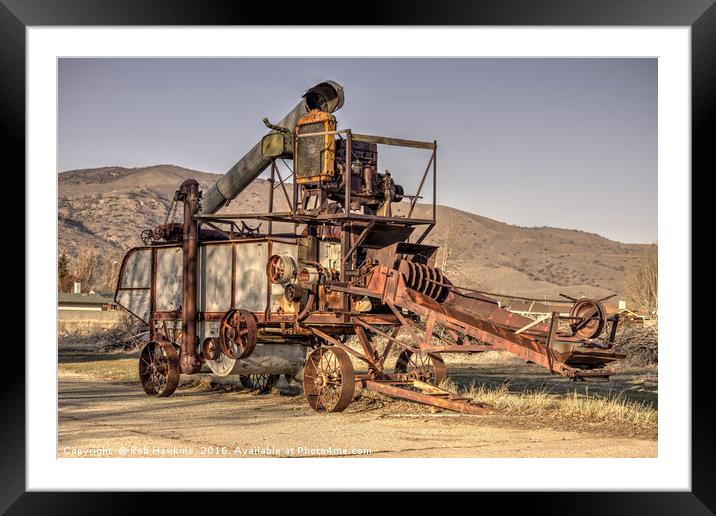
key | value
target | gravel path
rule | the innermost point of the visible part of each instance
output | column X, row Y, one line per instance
column 111, row 419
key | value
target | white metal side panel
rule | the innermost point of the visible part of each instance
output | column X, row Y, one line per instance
column 206, row 329
column 137, row 269
column 329, row 255
column 251, row 281
column 136, row 276
column 215, row 278
column 168, row 278
column 136, row 301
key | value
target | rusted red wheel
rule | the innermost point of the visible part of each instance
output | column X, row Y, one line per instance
column 280, row 269
column 426, row 367
column 328, row 380
column 210, row 349
column 260, row 383
column 237, row 334
column 590, row 318
column 159, row 369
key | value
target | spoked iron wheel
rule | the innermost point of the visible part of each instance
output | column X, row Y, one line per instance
column 328, row 380
column 159, row 369
column 210, row 349
column 261, row 383
column 591, row 317
column 237, row 334
column 425, row 367
column 147, row 237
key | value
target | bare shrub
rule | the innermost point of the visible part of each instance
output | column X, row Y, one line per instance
column 127, row 334
column 110, row 271
column 641, row 281
column 639, row 343
column 85, row 268
column 93, row 270
column 62, row 272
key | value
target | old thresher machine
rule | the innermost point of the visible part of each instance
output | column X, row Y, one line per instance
column 224, row 297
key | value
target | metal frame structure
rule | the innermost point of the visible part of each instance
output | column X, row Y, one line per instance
column 349, row 242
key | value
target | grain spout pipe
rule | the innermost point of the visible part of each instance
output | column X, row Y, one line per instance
column 326, row 96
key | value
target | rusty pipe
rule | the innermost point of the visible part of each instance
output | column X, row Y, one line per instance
column 326, row 96
column 189, row 360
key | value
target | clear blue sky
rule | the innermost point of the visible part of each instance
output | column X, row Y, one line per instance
column 536, row 142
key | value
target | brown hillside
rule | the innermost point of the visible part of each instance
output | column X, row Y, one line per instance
column 106, row 209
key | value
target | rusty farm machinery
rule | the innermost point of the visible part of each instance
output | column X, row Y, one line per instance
column 222, row 296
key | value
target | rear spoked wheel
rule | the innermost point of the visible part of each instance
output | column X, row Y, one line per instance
column 260, row 383
column 159, row 369
column 425, row 367
column 328, row 380
column 237, row 334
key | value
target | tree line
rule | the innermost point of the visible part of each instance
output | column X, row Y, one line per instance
column 93, row 270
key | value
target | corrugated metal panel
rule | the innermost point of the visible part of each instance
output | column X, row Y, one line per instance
column 169, row 278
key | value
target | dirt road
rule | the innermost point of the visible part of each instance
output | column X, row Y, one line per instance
column 98, row 417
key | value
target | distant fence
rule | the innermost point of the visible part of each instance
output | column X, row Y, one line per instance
column 80, row 321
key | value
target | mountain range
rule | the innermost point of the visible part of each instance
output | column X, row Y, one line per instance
column 105, row 209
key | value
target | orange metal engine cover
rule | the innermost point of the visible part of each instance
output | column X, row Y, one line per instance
column 314, row 156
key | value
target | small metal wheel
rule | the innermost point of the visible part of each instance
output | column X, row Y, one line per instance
column 237, row 334
column 159, row 369
column 425, row 367
column 328, row 380
column 261, row 383
column 210, row 349
column 147, row 237
column 280, row 269
column 591, row 317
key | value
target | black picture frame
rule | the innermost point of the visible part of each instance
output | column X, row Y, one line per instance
column 17, row 15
